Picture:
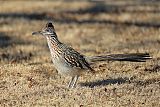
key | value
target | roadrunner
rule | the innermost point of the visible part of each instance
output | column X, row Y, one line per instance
column 69, row 62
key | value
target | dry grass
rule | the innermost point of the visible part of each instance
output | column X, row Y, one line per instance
column 28, row 78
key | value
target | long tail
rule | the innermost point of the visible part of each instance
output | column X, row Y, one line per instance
column 132, row 57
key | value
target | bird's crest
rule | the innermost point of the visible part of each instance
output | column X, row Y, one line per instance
column 49, row 24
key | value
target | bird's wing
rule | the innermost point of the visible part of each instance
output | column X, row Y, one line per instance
column 75, row 59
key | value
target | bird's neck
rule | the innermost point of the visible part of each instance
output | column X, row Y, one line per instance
column 53, row 39
column 54, row 45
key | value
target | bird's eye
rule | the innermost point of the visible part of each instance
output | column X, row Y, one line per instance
column 47, row 30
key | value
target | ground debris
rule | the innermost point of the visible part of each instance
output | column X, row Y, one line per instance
column 16, row 57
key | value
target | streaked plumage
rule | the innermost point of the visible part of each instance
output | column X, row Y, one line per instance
column 70, row 62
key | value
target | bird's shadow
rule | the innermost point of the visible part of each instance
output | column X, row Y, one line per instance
column 105, row 82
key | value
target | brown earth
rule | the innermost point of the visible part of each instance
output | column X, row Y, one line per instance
column 28, row 78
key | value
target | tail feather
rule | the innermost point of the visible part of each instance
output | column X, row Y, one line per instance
column 132, row 57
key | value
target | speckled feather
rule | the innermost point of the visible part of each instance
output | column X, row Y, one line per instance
column 74, row 58
column 70, row 62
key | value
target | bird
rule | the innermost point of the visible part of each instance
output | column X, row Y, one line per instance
column 70, row 62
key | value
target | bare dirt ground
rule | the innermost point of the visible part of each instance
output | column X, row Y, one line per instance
column 28, row 78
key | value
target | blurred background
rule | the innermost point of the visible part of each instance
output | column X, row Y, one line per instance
column 103, row 26
column 92, row 27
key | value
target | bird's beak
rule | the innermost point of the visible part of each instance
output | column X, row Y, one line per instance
column 36, row 33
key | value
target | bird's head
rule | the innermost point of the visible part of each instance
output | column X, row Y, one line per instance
column 47, row 30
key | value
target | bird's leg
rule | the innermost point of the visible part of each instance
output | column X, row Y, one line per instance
column 70, row 82
column 75, row 81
